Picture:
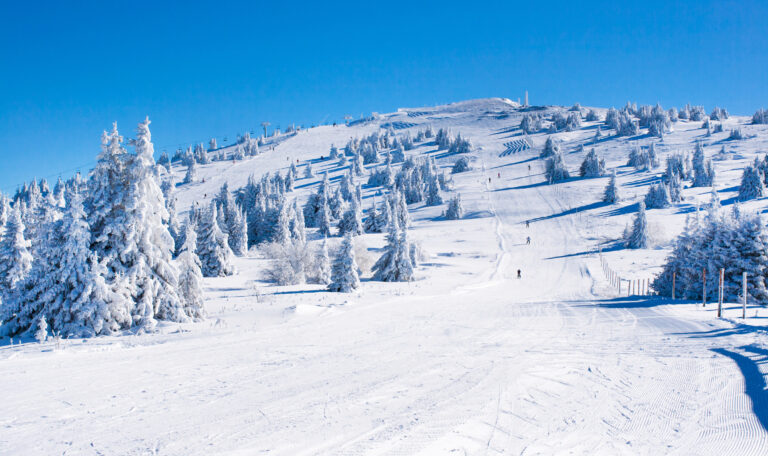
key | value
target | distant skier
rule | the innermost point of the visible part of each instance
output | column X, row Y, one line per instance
column 489, row 180
column 519, row 274
column 527, row 224
column 499, row 175
column 528, row 240
column 529, row 168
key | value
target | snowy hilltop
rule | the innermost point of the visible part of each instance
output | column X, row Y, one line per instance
column 482, row 276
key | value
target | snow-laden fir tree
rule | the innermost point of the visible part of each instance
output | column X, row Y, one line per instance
column 454, row 209
column 67, row 285
column 395, row 264
column 238, row 232
column 657, row 197
column 191, row 174
column 674, row 186
column 283, row 228
column 751, row 186
column 15, row 256
column 213, row 246
column 308, row 171
column 324, row 218
column 703, row 174
column 592, row 166
column 433, row 192
column 627, row 126
column 638, row 236
column 298, row 233
column 373, row 220
column 760, row 117
column 357, row 165
column 612, row 119
column 592, row 116
column 190, row 276
column 323, row 264
column 212, row 145
column 344, row 276
column 555, row 169
column 551, row 147
column 611, row 193
column 400, row 209
column 352, row 220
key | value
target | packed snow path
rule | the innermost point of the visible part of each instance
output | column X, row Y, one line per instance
column 490, row 364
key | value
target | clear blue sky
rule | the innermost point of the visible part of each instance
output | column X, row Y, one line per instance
column 68, row 69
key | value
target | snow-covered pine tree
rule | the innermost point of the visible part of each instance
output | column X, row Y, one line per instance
column 638, row 237
column 701, row 170
column 344, row 276
column 372, row 223
column 238, row 232
column 400, row 209
column 308, row 173
column 324, row 218
column 611, row 193
column 298, row 233
column 323, row 264
column 555, row 169
column 592, row 116
column 454, row 210
column 41, row 333
column 592, row 166
column 461, row 165
column 751, row 184
column 395, row 263
column 352, row 220
column 433, row 191
column 213, row 246
column 283, row 228
column 212, row 145
column 15, row 256
column 191, row 175
column 551, row 147
column 674, row 186
column 657, row 197
column 190, row 276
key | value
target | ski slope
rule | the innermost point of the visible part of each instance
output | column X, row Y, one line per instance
column 468, row 359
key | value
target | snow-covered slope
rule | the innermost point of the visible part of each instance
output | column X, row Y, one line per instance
column 467, row 359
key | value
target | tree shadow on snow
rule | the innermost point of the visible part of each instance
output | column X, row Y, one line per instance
column 571, row 211
column 753, row 378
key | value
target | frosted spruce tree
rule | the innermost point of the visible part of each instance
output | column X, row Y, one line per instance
column 283, row 226
column 555, row 170
column 323, row 264
column 213, row 247
column 238, row 232
column 638, row 236
column 592, row 166
column 454, row 209
column 15, row 257
column 751, row 184
column 395, row 263
column 308, row 173
column 611, row 192
column 298, row 233
column 657, row 197
column 191, row 175
column 372, row 222
column 324, row 219
column 191, row 276
column 344, row 276
column 551, row 147
column 433, row 197
column 352, row 220
column 703, row 173
column 67, row 285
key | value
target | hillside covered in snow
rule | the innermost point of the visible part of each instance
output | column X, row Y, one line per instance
column 475, row 278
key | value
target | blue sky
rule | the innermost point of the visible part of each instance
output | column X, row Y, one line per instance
column 213, row 69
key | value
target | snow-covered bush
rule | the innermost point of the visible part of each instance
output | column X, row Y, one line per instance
column 703, row 171
column 612, row 119
column 593, row 116
column 461, row 165
column 290, row 264
column 395, row 263
column 626, row 125
column 531, row 123
column 736, row 134
column 719, row 114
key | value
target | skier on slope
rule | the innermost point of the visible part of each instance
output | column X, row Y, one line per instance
column 528, row 240
column 519, row 274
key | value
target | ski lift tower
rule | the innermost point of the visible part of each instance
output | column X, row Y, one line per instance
column 265, row 125
column 526, row 99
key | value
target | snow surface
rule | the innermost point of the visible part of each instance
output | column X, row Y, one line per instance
column 468, row 359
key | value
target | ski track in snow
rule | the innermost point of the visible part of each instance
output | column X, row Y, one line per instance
column 466, row 360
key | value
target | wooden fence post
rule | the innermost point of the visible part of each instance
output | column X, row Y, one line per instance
column 744, row 293
column 720, row 294
column 673, row 285
column 703, row 287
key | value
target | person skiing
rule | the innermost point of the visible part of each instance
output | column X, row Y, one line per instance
column 498, row 175
column 527, row 223
column 528, row 240
column 519, row 274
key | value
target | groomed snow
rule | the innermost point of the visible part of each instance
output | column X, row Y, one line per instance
column 468, row 359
